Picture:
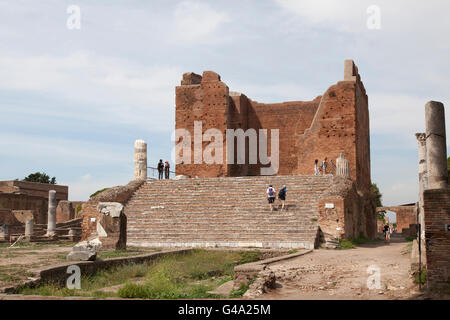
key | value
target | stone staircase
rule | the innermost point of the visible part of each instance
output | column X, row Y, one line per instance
column 225, row 212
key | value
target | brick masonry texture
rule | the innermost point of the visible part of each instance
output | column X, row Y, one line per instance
column 233, row 212
column 336, row 122
column 34, row 189
column 119, row 194
column 406, row 216
column 437, row 239
column 23, row 195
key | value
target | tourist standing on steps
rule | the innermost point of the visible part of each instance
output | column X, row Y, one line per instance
column 167, row 169
column 282, row 196
column 316, row 168
column 324, row 165
column 271, row 196
column 160, row 169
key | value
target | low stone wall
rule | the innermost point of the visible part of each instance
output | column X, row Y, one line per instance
column 58, row 275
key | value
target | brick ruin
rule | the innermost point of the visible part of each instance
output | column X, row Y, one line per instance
column 332, row 125
column 406, row 217
column 21, row 201
column 335, row 123
column 434, row 196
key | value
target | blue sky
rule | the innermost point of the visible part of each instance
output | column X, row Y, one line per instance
column 73, row 102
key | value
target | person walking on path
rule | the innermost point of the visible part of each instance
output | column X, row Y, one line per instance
column 160, row 169
column 387, row 233
column 271, row 196
column 324, row 165
column 316, row 168
column 167, row 169
column 282, row 196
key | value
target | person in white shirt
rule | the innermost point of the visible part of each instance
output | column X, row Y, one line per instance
column 271, row 196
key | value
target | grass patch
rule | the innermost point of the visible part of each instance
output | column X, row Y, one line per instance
column 420, row 278
column 292, row 251
column 188, row 276
column 351, row 243
column 119, row 253
column 97, row 192
column 236, row 293
column 345, row 244
column 410, row 238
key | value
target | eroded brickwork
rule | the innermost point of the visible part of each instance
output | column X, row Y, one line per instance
column 337, row 122
column 437, row 237
column 406, row 217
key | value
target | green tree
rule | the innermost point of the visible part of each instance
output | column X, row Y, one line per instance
column 376, row 196
column 448, row 170
column 40, row 177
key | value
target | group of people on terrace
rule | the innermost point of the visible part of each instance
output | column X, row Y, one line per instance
column 163, row 169
column 322, row 167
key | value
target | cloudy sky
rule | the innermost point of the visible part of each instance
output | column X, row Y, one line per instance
column 73, row 101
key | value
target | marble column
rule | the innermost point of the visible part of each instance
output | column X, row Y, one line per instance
column 342, row 167
column 51, row 226
column 140, row 160
column 29, row 228
column 436, row 146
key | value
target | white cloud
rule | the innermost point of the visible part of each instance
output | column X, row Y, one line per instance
column 196, row 21
column 80, row 190
column 419, row 18
column 399, row 115
column 102, row 88
column 63, row 151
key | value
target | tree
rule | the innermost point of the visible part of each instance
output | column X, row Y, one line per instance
column 448, row 170
column 376, row 198
column 40, row 177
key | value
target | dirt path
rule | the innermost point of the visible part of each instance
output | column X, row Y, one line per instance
column 343, row 274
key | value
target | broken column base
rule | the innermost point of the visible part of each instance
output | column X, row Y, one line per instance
column 85, row 250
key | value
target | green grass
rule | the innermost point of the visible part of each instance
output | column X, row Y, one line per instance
column 345, row 244
column 236, row 293
column 410, row 238
column 351, row 243
column 188, row 276
column 292, row 251
column 422, row 278
column 97, row 192
column 120, row 253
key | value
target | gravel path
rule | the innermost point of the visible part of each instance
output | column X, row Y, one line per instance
column 343, row 274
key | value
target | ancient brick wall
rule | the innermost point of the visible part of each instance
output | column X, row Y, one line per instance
column 34, row 189
column 437, row 239
column 337, row 122
column 90, row 214
column 344, row 213
column 206, row 101
column 38, row 205
column 67, row 210
column 406, row 217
